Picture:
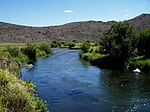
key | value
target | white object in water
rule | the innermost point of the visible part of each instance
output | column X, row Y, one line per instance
column 136, row 70
column 28, row 65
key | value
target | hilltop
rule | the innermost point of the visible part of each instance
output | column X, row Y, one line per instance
column 78, row 31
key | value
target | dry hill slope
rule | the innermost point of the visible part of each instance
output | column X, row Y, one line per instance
column 88, row 30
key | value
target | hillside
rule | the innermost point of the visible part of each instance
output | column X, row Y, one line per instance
column 88, row 30
column 139, row 22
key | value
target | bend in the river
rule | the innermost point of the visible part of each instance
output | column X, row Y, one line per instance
column 69, row 84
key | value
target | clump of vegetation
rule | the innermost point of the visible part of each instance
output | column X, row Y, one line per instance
column 85, row 47
column 71, row 45
column 30, row 51
column 143, row 64
column 119, row 42
column 46, row 47
column 144, row 43
column 15, row 54
column 17, row 95
column 93, row 57
column 40, row 53
column 55, row 44
column 67, row 44
column 14, row 51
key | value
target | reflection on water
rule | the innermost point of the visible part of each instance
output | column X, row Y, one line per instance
column 72, row 85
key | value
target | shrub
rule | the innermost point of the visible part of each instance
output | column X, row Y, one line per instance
column 94, row 49
column 30, row 51
column 53, row 45
column 40, row 53
column 14, row 51
column 45, row 47
column 71, row 44
column 80, row 53
column 85, row 47
column 5, row 55
column 16, row 95
column 144, row 43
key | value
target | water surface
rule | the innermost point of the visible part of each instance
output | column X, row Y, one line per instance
column 69, row 84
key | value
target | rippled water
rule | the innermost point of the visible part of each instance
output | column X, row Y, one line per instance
column 69, row 84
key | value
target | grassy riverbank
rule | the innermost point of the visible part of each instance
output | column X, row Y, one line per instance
column 17, row 95
column 108, row 62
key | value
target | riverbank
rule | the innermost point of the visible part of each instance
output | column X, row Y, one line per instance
column 17, row 95
column 92, row 52
column 106, row 62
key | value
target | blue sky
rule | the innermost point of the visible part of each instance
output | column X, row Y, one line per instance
column 57, row 12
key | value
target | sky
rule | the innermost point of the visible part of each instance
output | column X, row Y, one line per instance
column 58, row 12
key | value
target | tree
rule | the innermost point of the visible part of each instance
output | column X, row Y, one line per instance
column 119, row 41
column 144, row 43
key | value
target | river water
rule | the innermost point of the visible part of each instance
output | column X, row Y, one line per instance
column 69, row 84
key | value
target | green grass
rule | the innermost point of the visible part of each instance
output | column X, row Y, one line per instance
column 143, row 64
column 94, row 49
column 92, row 57
column 77, row 45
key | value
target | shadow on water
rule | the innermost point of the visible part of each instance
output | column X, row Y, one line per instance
column 69, row 84
column 84, row 63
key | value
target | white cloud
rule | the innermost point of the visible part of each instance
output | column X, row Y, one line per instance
column 68, row 11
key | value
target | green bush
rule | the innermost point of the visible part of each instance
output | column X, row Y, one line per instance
column 5, row 55
column 45, row 47
column 95, row 49
column 20, row 59
column 40, row 53
column 53, row 45
column 71, row 44
column 85, row 47
column 80, row 53
column 144, row 43
column 16, row 95
column 14, row 51
column 30, row 51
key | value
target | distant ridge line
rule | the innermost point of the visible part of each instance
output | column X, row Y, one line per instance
column 77, row 31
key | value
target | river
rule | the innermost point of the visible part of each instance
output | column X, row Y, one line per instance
column 69, row 84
